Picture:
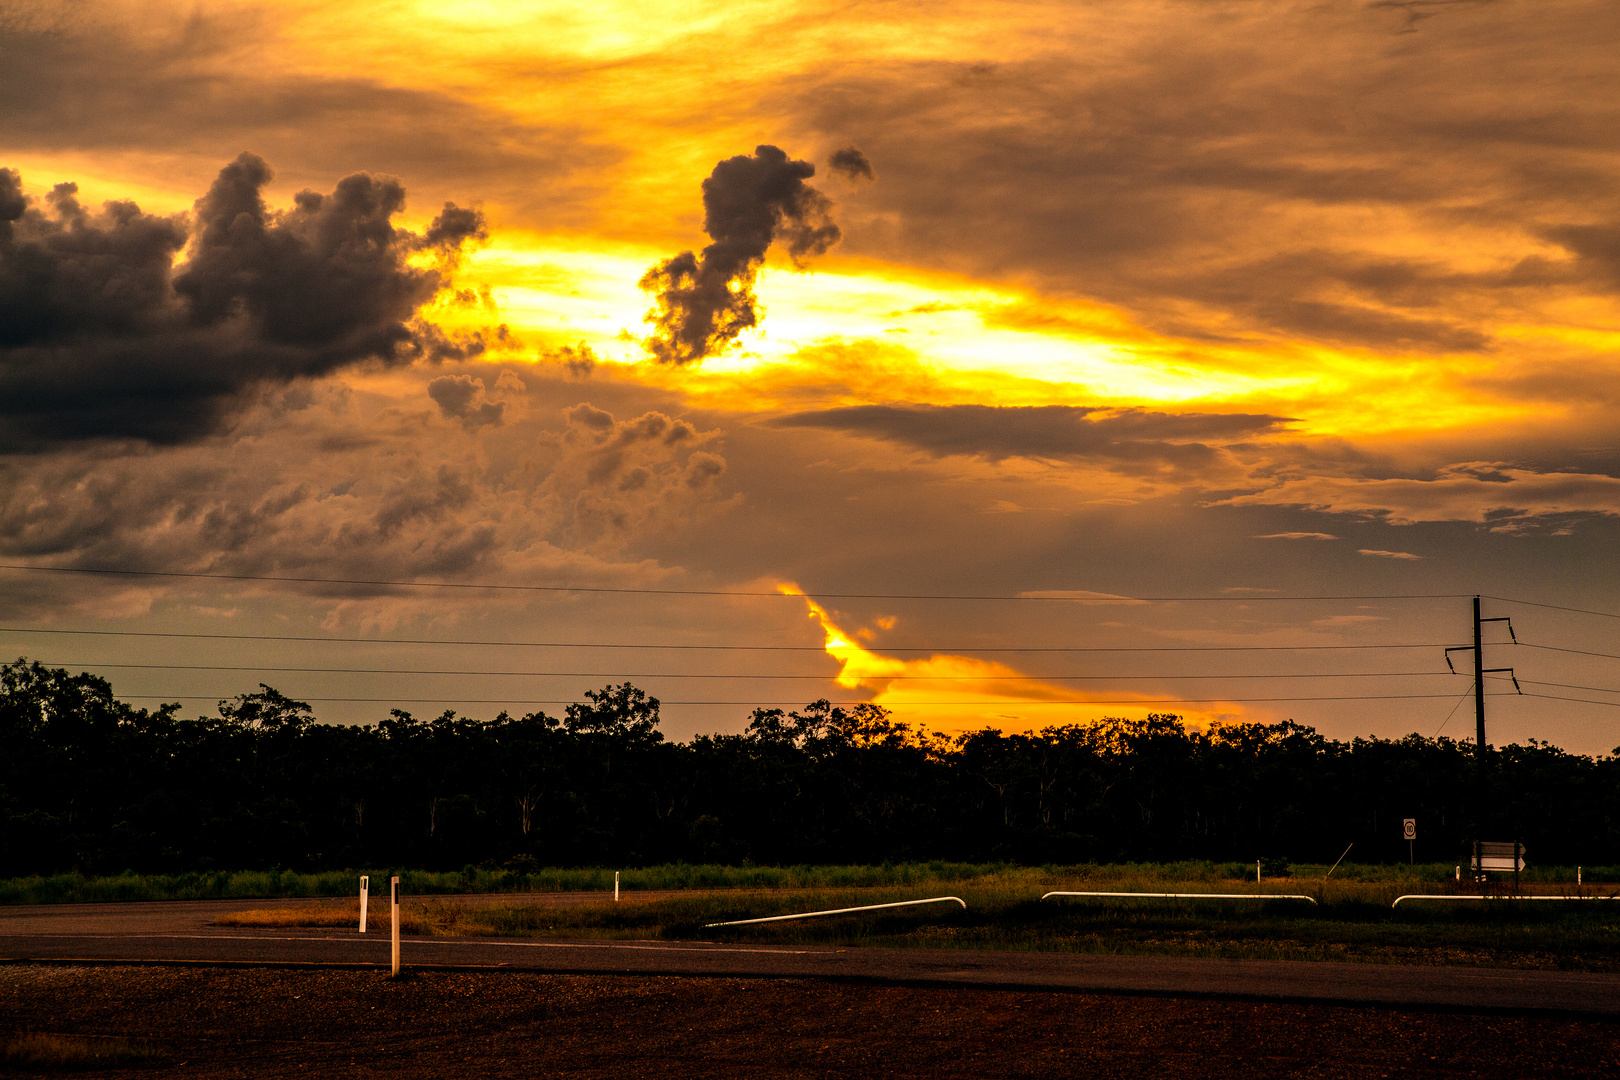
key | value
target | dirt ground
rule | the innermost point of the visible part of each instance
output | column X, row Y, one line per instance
column 231, row 1022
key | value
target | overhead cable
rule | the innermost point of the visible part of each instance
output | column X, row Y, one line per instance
column 1050, row 596
column 696, row 647
column 1005, row 703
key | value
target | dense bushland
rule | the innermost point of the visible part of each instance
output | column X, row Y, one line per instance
column 89, row 783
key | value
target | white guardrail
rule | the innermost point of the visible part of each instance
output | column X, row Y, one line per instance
column 1191, row 895
column 843, row 911
column 1465, row 896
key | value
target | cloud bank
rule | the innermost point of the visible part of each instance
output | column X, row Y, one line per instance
column 103, row 336
column 1134, row 437
column 345, row 478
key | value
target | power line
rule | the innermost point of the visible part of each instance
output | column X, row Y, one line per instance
column 1074, row 596
column 1555, row 697
column 1570, row 686
column 1557, row 648
column 731, row 648
column 1004, row 703
column 1556, row 607
column 753, row 675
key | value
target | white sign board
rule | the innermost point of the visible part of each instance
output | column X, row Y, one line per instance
column 1498, row 856
column 1409, row 828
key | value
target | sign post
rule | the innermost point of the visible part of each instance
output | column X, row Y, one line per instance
column 394, row 888
column 1409, row 830
column 365, row 891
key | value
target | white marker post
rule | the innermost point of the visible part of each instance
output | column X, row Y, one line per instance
column 615, row 886
column 1257, row 871
column 394, row 888
column 365, row 895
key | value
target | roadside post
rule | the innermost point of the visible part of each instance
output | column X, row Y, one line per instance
column 365, row 890
column 394, row 889
column 1409, row 830
column 615, row 886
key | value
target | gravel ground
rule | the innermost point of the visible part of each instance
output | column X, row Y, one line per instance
column 244, row 1021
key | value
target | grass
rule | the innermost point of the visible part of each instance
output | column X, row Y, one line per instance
column 1352, row 921
column 273, row 884
column 41, row 1052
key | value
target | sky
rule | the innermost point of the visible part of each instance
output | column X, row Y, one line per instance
column 1005, row 364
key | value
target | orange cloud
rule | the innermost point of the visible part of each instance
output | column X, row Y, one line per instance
column 964, row 693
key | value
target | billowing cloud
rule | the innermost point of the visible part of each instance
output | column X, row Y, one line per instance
column 616, row 477
column 579, row 360
column 102, row 336
column 462, row 397
column 347, row 478
column 748, row 203
column 1126, row 437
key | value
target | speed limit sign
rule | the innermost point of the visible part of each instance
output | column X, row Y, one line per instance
column 1409, row 828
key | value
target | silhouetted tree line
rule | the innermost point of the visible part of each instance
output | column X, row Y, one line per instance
column 88, row 782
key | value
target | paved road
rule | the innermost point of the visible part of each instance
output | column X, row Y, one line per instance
column 170, row 932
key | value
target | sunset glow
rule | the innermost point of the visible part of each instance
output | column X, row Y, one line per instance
column 902, row 303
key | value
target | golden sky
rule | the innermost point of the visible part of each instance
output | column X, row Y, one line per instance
column 1135, row 299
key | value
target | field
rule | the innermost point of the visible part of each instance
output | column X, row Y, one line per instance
column 153, row 1020
column 1351, row 920
column 232, row 1022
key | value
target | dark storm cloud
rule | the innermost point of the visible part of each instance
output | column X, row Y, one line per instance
column 852, row 163
column 454, row 227
column 101, row 336
column 749, row 203
column 1060, row 432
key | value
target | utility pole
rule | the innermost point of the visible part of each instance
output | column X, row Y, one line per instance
column 1480, row 671
column 1479, row 690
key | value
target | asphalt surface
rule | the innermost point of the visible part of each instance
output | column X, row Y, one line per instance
column 180, row 932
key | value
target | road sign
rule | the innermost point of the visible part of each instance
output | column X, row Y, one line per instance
column 1409, row 828
column 1498, row 856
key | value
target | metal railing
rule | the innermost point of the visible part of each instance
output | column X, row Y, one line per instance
column 1469, row 896
column 842, row 911
column 1190, row 895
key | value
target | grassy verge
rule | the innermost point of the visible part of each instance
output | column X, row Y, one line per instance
column 271, row 884
column 1352, row 920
